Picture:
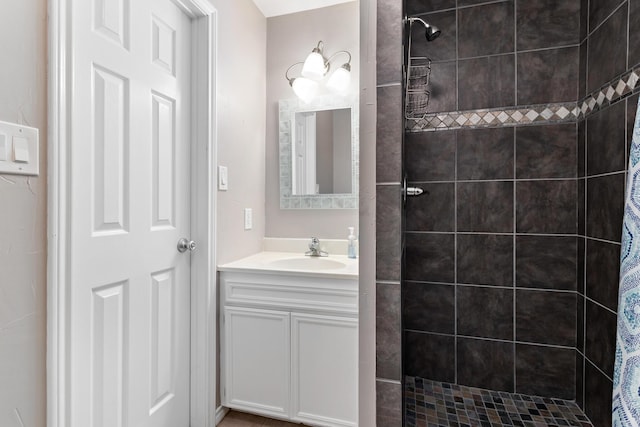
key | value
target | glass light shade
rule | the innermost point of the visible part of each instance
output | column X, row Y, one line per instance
column 304, row 89
column 340, row 81
column 314, row 67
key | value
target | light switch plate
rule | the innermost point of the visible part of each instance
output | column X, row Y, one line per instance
column 4, row 145
column 248, row 219
column 21, row 150
column 223, row 178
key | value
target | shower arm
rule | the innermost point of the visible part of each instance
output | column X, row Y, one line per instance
column 411, row 20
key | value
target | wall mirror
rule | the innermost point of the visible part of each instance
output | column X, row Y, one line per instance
column 319, row 153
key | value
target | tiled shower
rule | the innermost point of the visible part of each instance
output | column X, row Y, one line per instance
column 510, row 270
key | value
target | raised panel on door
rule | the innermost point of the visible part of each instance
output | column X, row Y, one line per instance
column 256, row 361
column 109, row 328
column 324, row 365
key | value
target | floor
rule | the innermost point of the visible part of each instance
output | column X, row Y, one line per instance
column 239, row 419
column 435, row 404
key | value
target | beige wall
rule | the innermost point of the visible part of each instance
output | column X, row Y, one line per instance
column 290, row 39
column 23, row 210
column 241, row 57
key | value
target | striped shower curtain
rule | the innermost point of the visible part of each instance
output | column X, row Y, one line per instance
column 626, row 377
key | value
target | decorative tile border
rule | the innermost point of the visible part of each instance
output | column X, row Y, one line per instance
column 564, row 112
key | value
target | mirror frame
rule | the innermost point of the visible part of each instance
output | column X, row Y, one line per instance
column 287, row 111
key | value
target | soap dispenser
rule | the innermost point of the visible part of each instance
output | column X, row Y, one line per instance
column 351, row 249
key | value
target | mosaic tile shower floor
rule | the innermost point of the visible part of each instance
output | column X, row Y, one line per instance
column 435, row 404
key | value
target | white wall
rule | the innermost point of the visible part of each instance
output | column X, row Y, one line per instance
column 23, row 208
column 241, row 56
column 290, row 39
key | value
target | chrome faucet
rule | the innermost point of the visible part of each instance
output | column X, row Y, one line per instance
column 314, row 248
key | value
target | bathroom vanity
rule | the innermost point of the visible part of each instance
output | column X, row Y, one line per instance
column 289, row 345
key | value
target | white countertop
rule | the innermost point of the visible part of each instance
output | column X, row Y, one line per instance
column 291, row 263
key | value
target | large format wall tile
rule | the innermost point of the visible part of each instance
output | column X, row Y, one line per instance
column 599, row 10
column 443, row 87
column 548, row 23
column 389, row 404
column 607, row 49
column 485, row 259
column 485, row 154
column 429, row 307
column 388, row 332
column 433, row 210
column 429, row 356
column 605, row 206
column 600, row 331
column 494, row 306
column 486, row 364
column 545, row 371
column 485, row 206
column 580, row 379
column 388, row 231
column 580, row 305
column 546, row 262
column 582, row 149
column 546, row 151
column 485, row 30
column 603, row 272
column 486, row 82
column 548, row 76
column 634, row 32
column 430, row 257
column 606, row 140
column 598, row 395
column 389, row 131
column 582, row 70
column 584, row 19
column 389, row 42
column 546, row 317
column 430, row 156
column 546, row 207
column 581, row 263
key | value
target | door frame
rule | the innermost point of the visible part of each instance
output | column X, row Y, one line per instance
column 203, row 213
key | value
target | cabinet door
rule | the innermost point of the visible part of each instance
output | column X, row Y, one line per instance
column 324, row 362
column 257, row 361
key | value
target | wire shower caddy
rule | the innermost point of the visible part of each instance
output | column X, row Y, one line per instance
column 417, row 94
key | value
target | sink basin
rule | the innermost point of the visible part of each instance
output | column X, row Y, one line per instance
column 307, row 263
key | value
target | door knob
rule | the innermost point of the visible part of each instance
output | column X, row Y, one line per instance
column 186, row 245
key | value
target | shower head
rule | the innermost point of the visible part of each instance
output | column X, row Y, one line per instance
column 431, row 31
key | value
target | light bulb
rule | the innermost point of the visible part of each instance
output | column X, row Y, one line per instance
column 304, row 89
column 314, row 66
column 340, row 80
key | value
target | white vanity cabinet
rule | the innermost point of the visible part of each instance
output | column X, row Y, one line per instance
column 290, row 346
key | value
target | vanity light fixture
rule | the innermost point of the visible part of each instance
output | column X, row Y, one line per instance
column 314, row 69
column 316, row 65
column 304, row 88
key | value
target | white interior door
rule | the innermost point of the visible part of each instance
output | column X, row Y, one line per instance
column 129, row 340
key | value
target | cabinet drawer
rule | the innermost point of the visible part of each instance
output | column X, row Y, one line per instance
column 313, row 294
